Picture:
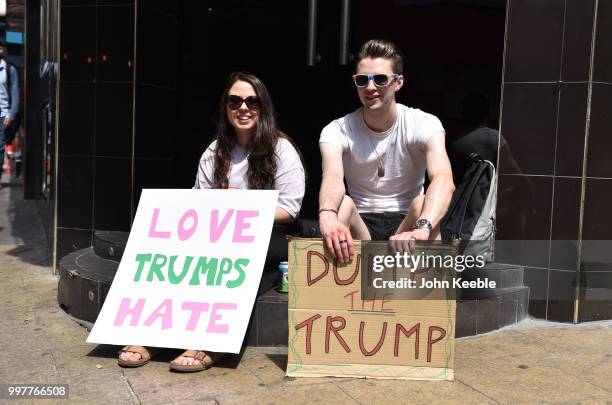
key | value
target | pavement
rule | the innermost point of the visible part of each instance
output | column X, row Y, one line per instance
column 533, row 362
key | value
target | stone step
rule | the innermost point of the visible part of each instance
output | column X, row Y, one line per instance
column 482, row 315
column 85, row 279
column 269, row 325
column 483, row 294
column 110, row 244
column 504, row 275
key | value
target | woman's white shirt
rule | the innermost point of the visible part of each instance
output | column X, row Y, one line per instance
column 289, row 179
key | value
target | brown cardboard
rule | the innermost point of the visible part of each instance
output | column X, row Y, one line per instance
column 332, row 332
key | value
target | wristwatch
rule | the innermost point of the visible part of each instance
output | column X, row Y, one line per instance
column 423, row 223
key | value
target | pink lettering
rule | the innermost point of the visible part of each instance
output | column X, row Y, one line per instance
column 184, row 234
column 153, row 232
column 241, row 226
column 213, row 326
column 216, row 229
column 163, row 311
column 125, row 310
column 196, row 309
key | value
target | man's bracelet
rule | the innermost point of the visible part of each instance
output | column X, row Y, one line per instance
column 328, row 209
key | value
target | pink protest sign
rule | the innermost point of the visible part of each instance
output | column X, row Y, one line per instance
column 190, row 270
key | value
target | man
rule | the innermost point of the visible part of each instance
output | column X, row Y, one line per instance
column 9, row 99
column 383, row 150
column 474, row 137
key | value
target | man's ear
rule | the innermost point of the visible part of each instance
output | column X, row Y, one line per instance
column 399, row 83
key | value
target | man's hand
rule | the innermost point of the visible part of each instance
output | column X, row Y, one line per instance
column 337, row 236
column 406, row 241
column 7, row 121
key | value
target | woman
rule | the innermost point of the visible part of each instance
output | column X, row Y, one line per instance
column 249, row 152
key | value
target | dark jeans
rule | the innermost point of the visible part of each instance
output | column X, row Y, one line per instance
column 277, row 252
column 2, row 145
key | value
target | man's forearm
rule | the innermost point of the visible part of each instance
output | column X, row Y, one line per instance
column 437, row 199
column 332, row 192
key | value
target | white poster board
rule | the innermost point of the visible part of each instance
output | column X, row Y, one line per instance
column 190, row 271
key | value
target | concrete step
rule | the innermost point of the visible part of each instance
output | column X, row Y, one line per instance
column 268, row 325
column 110, row 244
column 504, row 275
column 492, row 312
column 85, row 279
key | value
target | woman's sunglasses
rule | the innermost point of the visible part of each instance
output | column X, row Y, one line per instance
column 380, row 79
column 235, row 102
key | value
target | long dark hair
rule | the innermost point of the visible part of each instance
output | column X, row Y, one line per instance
column 262, row 159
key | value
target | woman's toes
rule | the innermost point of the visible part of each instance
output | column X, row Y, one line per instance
column 185, row 361
column 135, row 356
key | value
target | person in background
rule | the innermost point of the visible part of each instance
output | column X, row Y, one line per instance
column 249, row 152
column 9, row 102
column 475, row 137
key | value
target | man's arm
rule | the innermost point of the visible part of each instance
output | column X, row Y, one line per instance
column 440, row 190
column 14, row 107
column 330, row 197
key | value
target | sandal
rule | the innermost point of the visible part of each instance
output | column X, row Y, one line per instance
column 145, row 356
column 205, row 361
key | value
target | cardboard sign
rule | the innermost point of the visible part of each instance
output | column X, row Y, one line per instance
column 333, row 332
column 190, row 270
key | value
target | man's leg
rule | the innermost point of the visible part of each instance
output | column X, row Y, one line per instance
column 2, row 147
column 414, row 213
column 348, row 215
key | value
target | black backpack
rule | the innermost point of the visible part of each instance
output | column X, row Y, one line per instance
column 471, row 215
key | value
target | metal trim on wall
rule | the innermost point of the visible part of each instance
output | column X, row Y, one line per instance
column 345, row 27
column 311, row 44
column 134, row 57
column 587, row 128
column 56, row 137
column 501, row 107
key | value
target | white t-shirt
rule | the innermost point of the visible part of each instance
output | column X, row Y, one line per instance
column 289, row 179
column 401, row 148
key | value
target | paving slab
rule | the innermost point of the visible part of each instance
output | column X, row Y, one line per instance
column 532, row 362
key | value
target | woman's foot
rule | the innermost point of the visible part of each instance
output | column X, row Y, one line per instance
column 135, row 356
column 194, row 360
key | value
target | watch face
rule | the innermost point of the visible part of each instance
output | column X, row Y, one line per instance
column 423, row 223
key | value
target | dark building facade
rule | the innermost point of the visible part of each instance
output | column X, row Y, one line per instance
column 556, row 121
column 138, row 82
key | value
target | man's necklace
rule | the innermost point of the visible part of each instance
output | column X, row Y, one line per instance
column 381, row 162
